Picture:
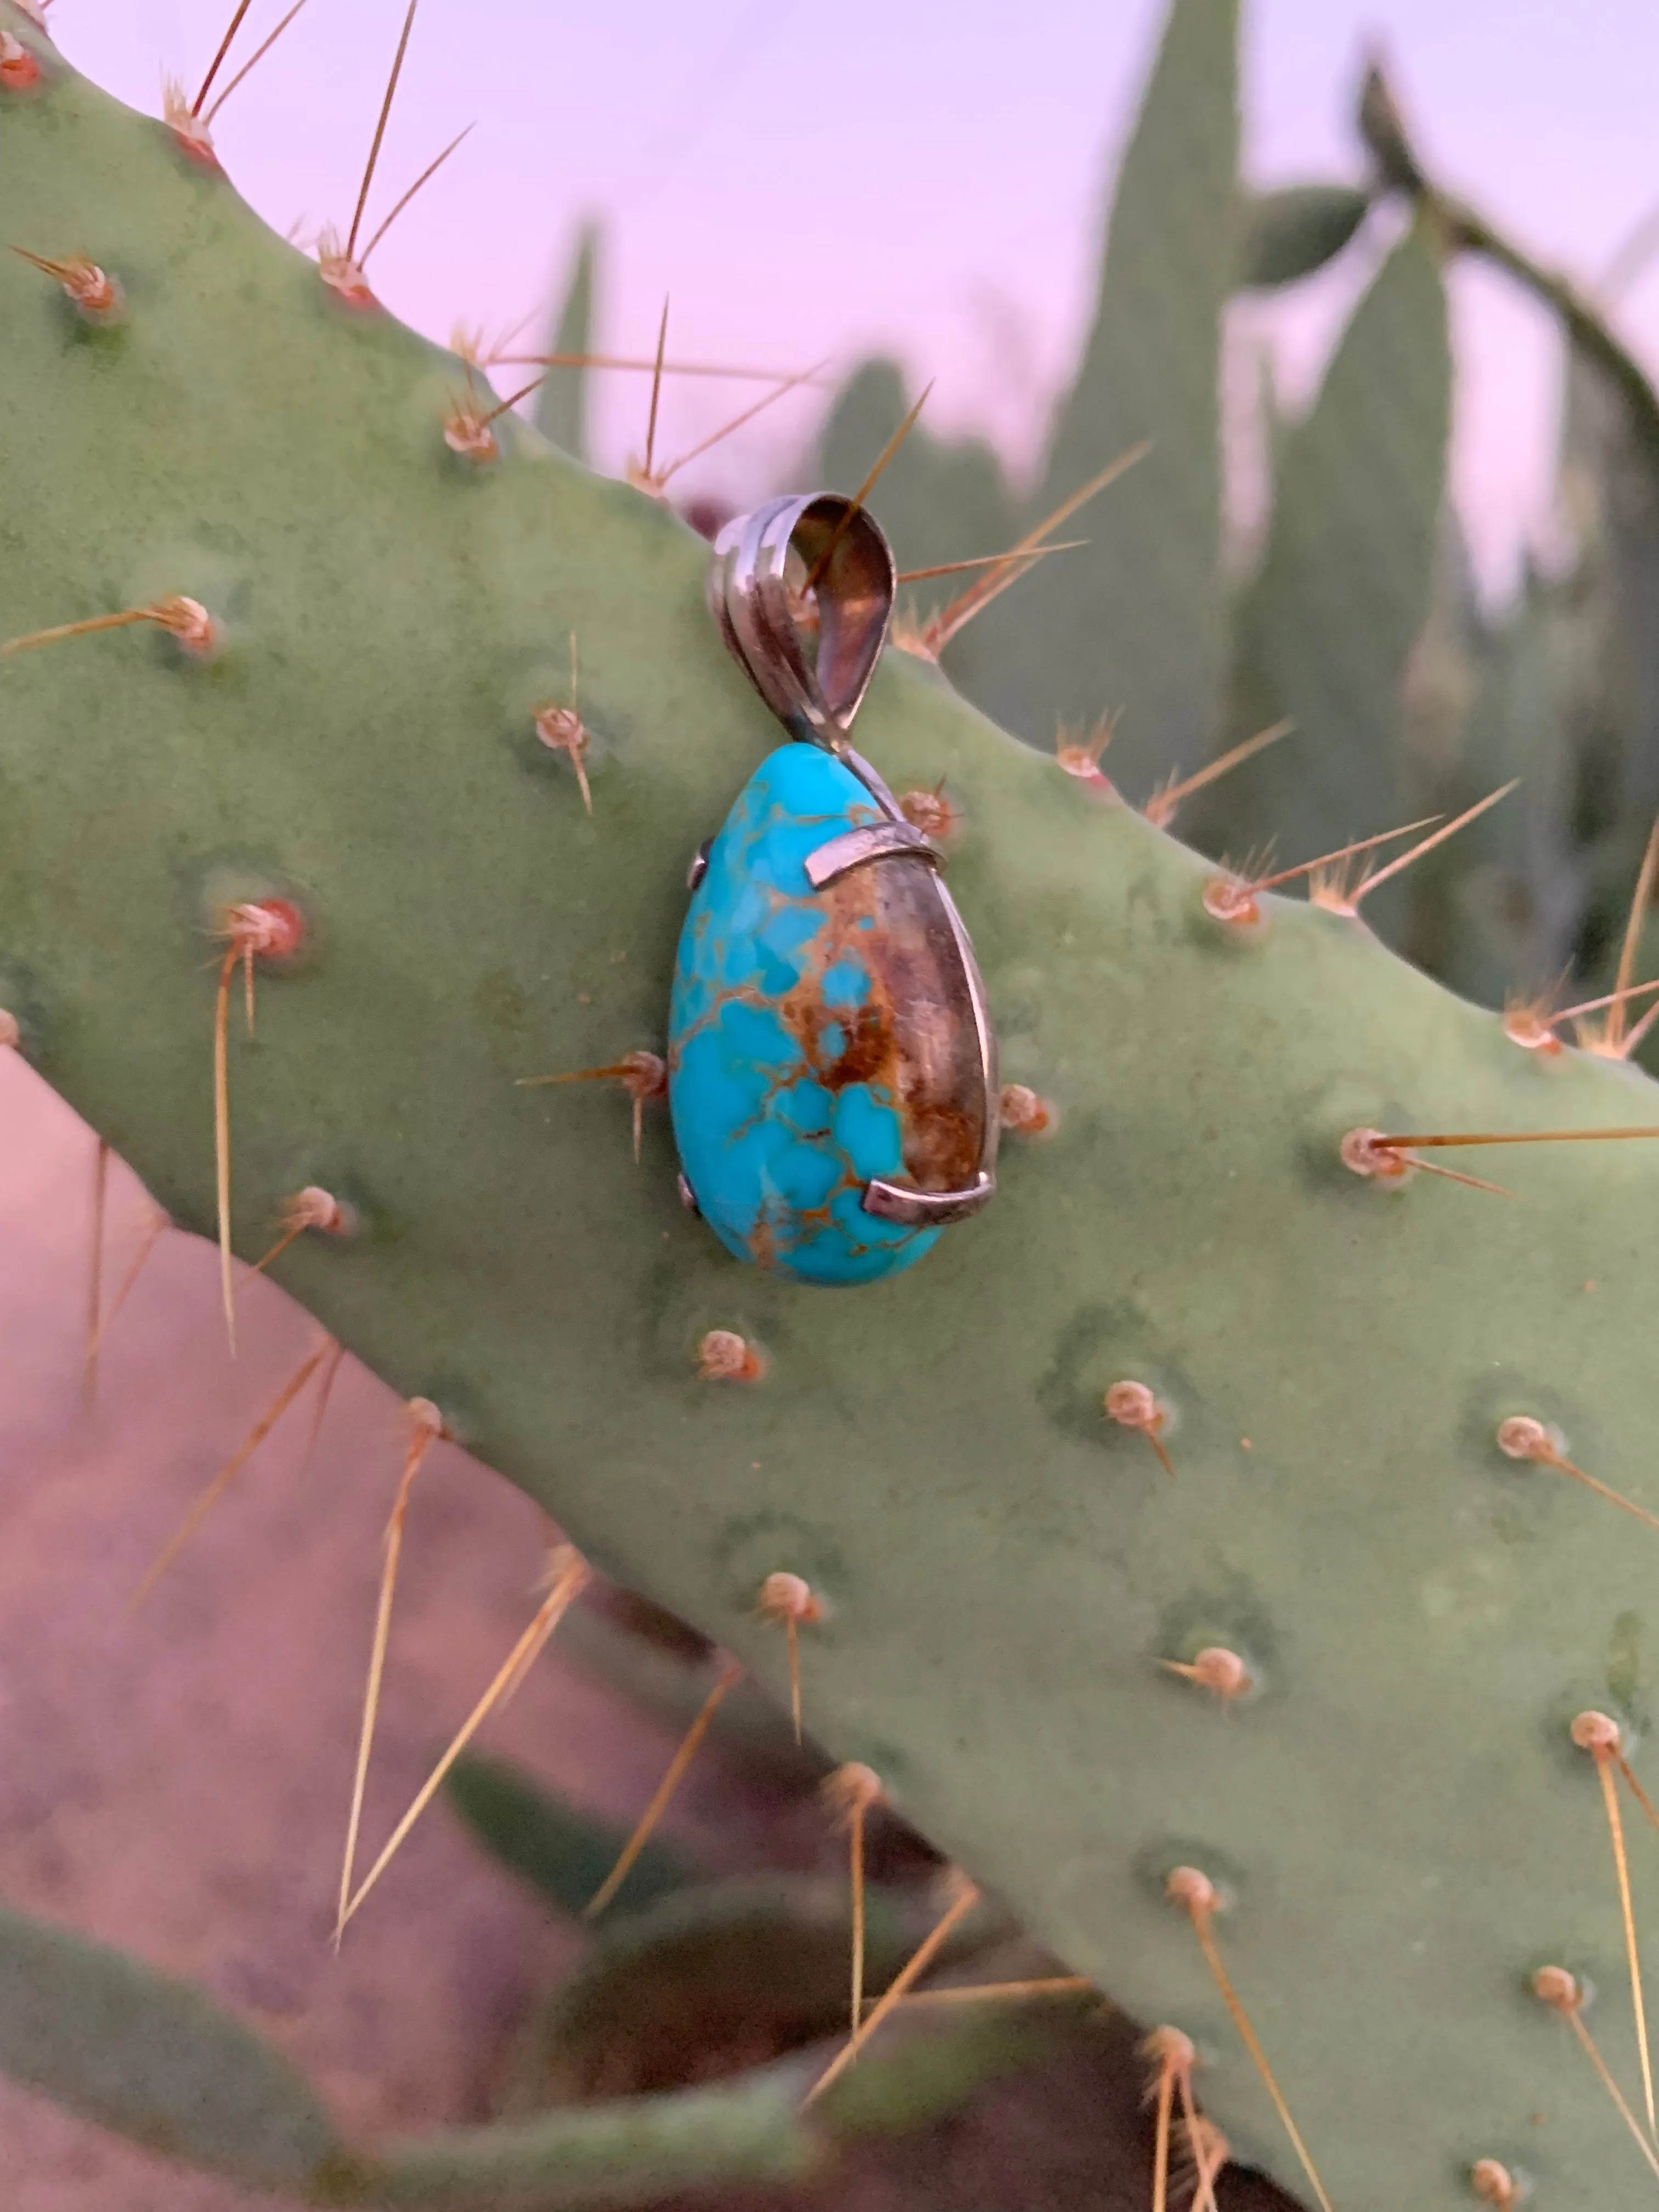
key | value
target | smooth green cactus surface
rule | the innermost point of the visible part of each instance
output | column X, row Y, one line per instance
column 1402, row 1825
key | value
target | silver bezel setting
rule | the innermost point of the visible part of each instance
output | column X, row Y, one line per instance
column 815, row 691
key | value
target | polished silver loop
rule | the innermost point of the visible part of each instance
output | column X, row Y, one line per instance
column 811, row 656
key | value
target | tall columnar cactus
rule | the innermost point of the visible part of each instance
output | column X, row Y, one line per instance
column 1398, row 1825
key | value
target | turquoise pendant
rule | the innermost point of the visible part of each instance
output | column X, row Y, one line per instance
column 831, row 1069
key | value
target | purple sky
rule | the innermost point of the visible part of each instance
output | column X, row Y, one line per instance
column 963, row 151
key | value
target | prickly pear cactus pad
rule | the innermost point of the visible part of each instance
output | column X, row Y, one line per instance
column 1399, row 1825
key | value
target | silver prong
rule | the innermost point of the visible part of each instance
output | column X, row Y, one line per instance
column 699, row 868
column 926, row 1209
column 836, row 856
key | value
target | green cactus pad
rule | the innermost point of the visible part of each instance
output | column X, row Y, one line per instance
column 150, row 2057
column 1400, row 1822
column 109, row 2038
column 1292, row 232
column 563, row 1855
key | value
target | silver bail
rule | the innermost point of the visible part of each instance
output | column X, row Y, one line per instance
column 812, row 673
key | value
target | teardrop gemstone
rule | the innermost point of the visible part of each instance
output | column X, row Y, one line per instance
column 818, row 1038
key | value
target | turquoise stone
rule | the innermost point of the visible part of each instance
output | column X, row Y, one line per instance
column 818, row 1038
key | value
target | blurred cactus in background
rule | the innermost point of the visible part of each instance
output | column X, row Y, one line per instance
column 1356, row 619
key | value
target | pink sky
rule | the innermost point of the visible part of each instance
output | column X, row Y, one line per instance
column 923, row 178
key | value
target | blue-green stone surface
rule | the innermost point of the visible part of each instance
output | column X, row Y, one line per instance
column 818, row 1038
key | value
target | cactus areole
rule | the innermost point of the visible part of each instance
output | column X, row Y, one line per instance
column 832, row 1069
